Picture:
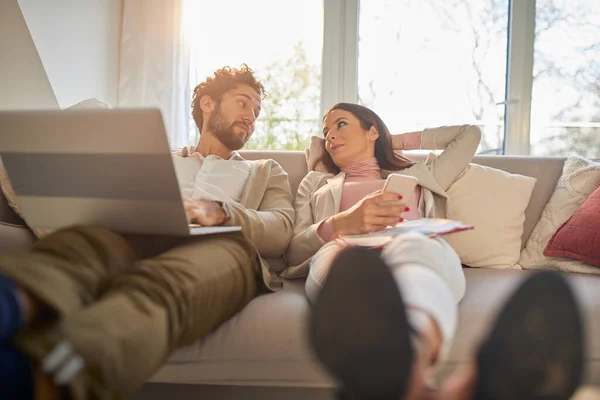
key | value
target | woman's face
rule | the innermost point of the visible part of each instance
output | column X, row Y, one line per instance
column 345, row 139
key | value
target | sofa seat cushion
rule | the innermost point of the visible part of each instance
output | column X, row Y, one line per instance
column 487, row 290
column 265, row 345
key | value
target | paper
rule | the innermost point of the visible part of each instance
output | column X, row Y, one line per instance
column 431, row 227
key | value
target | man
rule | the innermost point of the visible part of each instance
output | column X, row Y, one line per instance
column 102, row 311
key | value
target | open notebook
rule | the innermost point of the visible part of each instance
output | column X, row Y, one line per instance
column 431, row 227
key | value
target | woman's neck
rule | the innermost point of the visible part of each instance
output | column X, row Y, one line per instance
column 365, row 169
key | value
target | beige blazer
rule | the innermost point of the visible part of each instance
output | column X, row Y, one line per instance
column 319, row 194
column 266, row 214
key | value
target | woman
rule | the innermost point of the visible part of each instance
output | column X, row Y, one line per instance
column 359, row 146
column 348, row 199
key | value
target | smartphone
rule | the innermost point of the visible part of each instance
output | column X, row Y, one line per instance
column 401, row 184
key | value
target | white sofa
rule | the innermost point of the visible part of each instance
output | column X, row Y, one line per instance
column 262, row 352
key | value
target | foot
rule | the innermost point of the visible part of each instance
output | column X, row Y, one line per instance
column 534, row 350
column 358, row 326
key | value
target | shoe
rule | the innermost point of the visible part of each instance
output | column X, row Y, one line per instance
column 358, row 327
column 535, row 348
column 55, row 358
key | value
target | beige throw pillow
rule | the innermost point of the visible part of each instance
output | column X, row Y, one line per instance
column 314, row 154
column 494, row 202
column 579, row 179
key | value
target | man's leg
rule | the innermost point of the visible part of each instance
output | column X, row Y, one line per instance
column 162, row 303
column 69, row 268
column 64, row 272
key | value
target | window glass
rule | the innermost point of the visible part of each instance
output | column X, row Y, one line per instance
column 565, row 108
column 282, row 41
column 435, row 62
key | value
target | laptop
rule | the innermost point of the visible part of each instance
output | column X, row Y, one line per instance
column 110, row 168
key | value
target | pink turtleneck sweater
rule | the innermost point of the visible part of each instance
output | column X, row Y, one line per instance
column 364, row 177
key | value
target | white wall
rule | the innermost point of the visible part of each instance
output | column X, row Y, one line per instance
column 78, row 43
column 23, row 81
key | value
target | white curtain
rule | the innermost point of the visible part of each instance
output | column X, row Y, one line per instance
column 154, row 63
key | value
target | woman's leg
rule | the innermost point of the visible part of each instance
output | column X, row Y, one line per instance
column 320, row 265
column 359, row 330
column 429, row 274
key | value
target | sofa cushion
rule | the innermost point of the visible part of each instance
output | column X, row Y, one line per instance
column 488, row 289
column 15, row 237
column 579, row 179
column 265, row 344
column 579, row 237
column 493, row 201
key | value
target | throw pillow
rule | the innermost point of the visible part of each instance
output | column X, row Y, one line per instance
column 579, row 237
column 579, row 179
column 314, row 155
column 87, row 104
column 494, row 202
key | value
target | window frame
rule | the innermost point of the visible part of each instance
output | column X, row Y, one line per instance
column 339, row 78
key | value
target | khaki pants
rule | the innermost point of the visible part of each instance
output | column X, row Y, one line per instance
column 127, row 302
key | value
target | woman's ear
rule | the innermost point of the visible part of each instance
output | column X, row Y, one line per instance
column 373, row 134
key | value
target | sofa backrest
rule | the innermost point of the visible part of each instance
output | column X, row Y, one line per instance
column 546, row 170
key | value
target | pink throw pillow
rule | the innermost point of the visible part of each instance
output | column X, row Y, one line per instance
column 579, row 236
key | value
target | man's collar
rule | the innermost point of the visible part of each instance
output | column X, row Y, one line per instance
column 190, row 151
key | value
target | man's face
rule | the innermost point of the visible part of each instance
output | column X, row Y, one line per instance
column 232, row 121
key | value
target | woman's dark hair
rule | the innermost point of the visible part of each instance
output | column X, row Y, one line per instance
column 384, row 151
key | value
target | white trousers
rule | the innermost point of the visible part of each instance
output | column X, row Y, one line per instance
column 427, row 271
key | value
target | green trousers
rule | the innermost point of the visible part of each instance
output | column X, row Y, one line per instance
column 125, row 303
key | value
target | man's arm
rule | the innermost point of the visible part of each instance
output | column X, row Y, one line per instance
column 269, row 228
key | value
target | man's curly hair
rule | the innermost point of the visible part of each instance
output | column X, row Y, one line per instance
column 222, row 81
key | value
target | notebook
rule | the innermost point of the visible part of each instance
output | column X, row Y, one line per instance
column 431, row 227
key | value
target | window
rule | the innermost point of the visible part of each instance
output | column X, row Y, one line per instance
column 527, row 72
column 435, row 62
column 565, row 108
column 282, row 42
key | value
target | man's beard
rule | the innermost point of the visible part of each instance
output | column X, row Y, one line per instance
column 224, row 132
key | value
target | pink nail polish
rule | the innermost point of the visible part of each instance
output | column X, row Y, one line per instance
column 401, row 219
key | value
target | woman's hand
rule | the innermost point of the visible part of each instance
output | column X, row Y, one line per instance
column 371, row 214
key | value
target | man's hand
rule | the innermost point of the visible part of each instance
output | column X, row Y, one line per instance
column 204, row 212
